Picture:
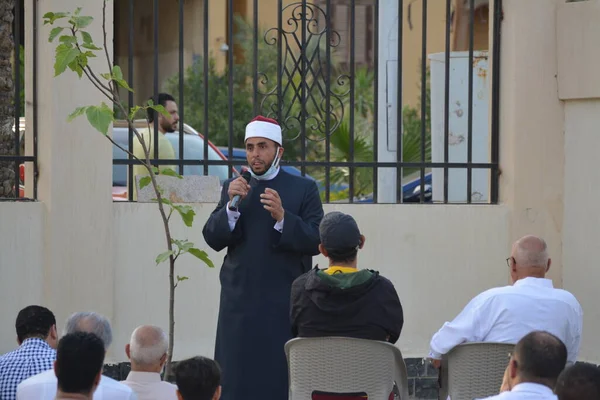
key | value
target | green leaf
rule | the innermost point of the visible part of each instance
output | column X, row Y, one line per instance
column 77, row 11
column 182, row 278
column 79, row 111
column 87, row 38
column 91, row 46
column 64, row 56
column 117, row 73
column 50, row 17
column 145, row 181
column 166, row 201
column 183, row 245
column 158, row 108
column 78, row 65
column 133, row 112
column 100, row 117
column 187, row 214
column 69, row 40
column 201, row 254
column 162, row 257
column 117, row 76
column 54, row 33
column 170, row 172
column 106, row 76
column 155, row 170
column 123, row 84
column 81, row 22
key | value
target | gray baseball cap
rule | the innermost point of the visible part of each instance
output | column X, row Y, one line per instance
column 339, row 231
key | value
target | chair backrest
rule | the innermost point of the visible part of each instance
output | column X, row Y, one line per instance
column 474, row 370
column 345, row 365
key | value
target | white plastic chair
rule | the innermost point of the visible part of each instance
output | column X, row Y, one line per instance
column 474, row 370
column 345, row 365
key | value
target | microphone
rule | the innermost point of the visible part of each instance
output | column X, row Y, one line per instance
column 233, row 205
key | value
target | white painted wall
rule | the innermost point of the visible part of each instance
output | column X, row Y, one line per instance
column 581, row 231
column 437, row 257
column 21, row 254
column 579, row 87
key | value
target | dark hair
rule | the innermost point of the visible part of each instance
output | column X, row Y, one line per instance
column 342, row 256
column 541, row 357
column 197, row 378
column 162, row 100
column 579, row 382
column 34, row 321
column 79, row 359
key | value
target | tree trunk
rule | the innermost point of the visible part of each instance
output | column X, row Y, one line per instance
column 7, row 117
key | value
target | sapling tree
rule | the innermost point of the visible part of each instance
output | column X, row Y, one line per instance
column 74, row 50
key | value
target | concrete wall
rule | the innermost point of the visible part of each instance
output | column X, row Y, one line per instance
column 21, row 261
column 406, row 244
column 579, row 87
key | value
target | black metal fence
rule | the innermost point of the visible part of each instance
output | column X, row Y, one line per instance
column 338, row 75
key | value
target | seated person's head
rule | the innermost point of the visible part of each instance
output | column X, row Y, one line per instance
column 198, row 378
column 340, row 238
column 147, row 349
column 79, row 362
column 529, row 258
column 36, row 322
column 539, row 357
column 580, row 381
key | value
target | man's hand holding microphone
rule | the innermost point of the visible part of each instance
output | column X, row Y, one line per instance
column 239, row 188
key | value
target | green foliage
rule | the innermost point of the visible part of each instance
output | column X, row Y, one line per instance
column 100, row 117
column 162, row 257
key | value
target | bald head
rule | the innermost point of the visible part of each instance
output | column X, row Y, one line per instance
column 147, row 348
column 530, row 258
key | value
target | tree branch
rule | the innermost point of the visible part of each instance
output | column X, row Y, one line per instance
column 110, row 64
column 99, row 87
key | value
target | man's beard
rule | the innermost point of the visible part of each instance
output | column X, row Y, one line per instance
column 168, row 128
column 267, row 167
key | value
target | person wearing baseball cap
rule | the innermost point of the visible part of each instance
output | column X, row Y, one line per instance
column 342, row 300
column 269, row 223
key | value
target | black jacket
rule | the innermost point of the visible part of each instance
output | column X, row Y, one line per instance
column 361, row 305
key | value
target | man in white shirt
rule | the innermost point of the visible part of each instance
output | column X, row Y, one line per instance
column 533, row 369
column 43, row 386
column 506, row 314
column 147, row 351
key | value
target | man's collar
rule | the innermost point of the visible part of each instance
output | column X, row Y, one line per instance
column 530, row 281
column 35, row 342
column 143, row 377
column 532, row 388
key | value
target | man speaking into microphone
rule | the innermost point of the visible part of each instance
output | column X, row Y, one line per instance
column 271, row 232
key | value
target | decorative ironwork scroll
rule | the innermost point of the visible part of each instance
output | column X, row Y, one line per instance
column 297, row 93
